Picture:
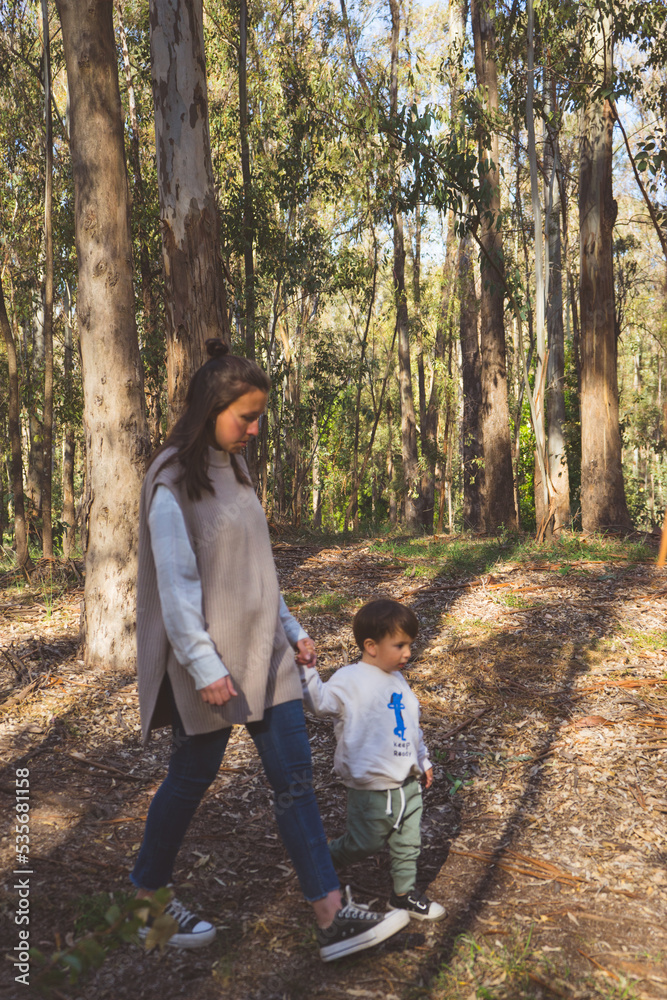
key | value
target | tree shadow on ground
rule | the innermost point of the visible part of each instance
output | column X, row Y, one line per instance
column 233, row 860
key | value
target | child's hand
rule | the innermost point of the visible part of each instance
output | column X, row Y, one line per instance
column 427, row 778
column 306, row 654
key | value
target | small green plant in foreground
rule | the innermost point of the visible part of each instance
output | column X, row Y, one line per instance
column 108, row 929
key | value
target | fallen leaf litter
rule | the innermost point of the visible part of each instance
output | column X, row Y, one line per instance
column 546, row 723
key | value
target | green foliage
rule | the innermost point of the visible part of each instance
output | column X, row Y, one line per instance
column 104, row 928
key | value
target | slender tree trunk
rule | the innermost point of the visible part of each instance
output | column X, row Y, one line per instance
column 317, row 492
column 541, row 480
column 34, row 374
column 391, row 491
column 196, row 301
column 47, row 421
column 471, row 366
column 117, row 440
column 426, row 416
column 411, row 484
column 248, row 215
column 69, row 509
column 603, row 504
column 152, row 338
column 14, row 410
column 496, row 488
column 555, row 392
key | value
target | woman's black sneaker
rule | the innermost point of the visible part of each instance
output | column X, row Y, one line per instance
column 355, row 928
column 190, row 932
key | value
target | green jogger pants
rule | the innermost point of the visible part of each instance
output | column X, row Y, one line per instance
column 376, row 818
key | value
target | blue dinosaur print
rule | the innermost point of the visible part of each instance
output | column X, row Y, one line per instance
column 397, row 704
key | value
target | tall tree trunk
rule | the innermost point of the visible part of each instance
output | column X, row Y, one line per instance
column 47, row 412
column 152, row 338
column 391, row 491
column 248, row 217
column 34, row 374
column 411, row 484
column 317, row 490
column 541, row 480
column 555, row 389
column 14, row 410
column 117, row 440
column 471, row 366
column 196, row 300
column 603, row 504
column 69, row 510
column 496, row 490
column 426, row 417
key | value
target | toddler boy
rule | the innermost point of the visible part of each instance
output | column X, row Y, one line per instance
column 380, row 753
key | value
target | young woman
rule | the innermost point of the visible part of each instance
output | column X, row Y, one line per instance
column 215, row 647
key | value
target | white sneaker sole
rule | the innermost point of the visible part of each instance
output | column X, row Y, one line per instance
column 440, row 914
column 394, row 921
column 185, row 941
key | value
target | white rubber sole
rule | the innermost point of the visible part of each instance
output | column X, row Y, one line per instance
column 393, row 922
column 439, row 914
column 185, row 942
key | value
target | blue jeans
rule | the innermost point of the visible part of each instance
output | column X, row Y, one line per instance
column 282, row 743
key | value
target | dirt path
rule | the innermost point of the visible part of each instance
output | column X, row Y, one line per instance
column 544, row 698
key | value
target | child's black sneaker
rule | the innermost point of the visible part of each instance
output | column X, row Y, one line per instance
column 191, row 931
column 355, row 928
column 418, row 907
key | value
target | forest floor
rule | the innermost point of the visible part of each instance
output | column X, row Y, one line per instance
column 542, row 676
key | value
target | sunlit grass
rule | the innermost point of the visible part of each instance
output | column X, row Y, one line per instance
column 463, row 556
column 505, row 964
column 643, row 639
column 323, row 603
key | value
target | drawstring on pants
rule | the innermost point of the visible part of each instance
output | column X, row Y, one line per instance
column 389, row 811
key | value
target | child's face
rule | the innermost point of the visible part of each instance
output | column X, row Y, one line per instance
column 390, row 653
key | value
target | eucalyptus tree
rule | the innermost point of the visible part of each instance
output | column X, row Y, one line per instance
column 496, row 492
column 603, row 504
column 47, row 409
column 137, row 96
column 16, row 464
column 412, row 499
column 117, row 440
column 195, row 294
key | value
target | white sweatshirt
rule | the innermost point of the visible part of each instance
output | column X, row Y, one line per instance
column 376, row 723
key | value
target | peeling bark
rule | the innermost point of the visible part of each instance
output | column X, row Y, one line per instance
column 196, row 301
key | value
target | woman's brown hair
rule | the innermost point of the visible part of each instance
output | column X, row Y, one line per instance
column 213, row 387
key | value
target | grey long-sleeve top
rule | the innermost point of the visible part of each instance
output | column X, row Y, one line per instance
column 181, row 596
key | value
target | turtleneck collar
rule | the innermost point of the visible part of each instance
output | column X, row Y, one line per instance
column 218, row 458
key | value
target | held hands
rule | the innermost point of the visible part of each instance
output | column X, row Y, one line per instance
column 219, row 692
column 305, row 652
column 427, row 778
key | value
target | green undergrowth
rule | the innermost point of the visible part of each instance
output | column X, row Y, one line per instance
column 642, row 639
column 323, row 603
column 467, row 556
column 507, row 965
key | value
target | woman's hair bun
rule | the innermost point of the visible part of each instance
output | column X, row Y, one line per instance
column 216, row 348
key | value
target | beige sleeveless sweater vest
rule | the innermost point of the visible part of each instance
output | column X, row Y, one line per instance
column 230, row 538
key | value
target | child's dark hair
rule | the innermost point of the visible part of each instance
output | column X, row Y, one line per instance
column 213, row 387
column 383, row 617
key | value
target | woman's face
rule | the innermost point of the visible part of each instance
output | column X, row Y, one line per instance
column 236, row 425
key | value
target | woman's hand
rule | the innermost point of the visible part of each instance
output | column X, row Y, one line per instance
column 219, row 692
column 305, row 652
